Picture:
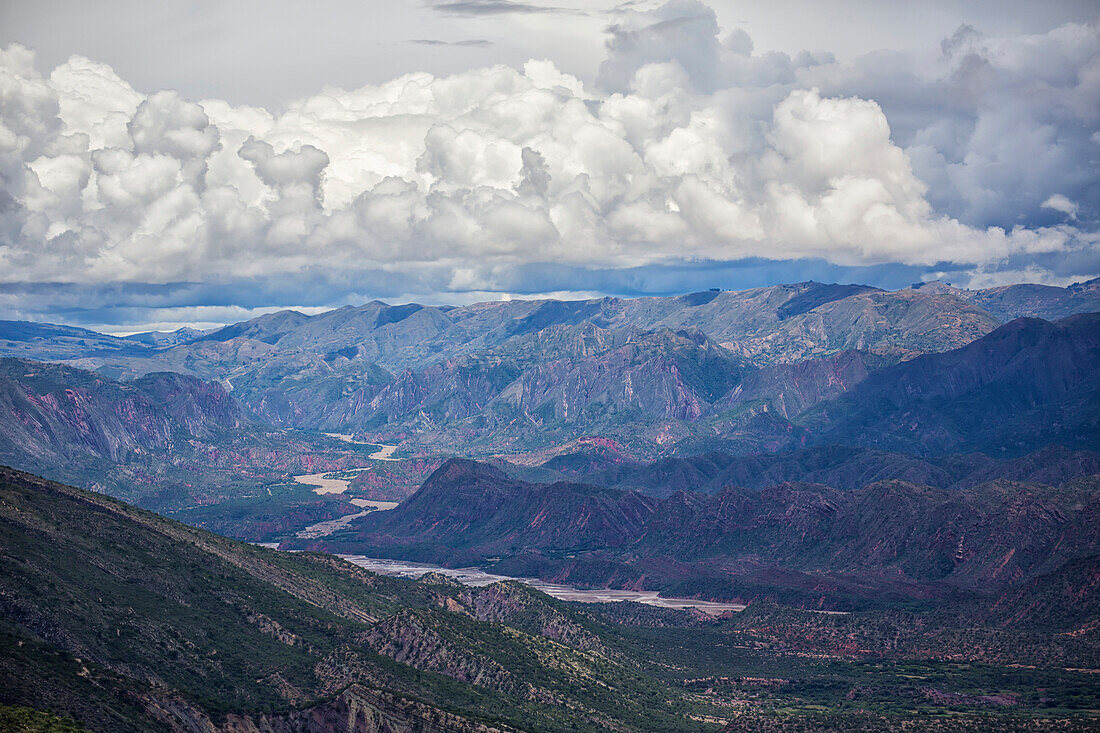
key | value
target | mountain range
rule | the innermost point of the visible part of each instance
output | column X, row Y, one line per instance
column 902, row 487
column 164, row 441
column 799, row 542
column 1023, row 386
column 660, row 375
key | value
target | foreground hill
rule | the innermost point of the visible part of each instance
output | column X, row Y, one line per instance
column 122, row 620
column 128, row 621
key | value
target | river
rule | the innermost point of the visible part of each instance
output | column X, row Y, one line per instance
column 325, row 485
column 470, row 576
column 384, row 452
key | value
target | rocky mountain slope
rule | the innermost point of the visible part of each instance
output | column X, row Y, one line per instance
column 165, row 440
column 522, row 375
column 1028, row 383
column 842, row 467
column 116, row 619
column 125, row 620
column 890, row 534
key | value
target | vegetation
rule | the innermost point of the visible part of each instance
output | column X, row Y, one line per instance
column 28, row 720
column 124, row 620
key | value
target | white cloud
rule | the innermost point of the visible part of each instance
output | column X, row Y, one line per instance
column 1058, row 202
column 688, row 148
column 1030, row 274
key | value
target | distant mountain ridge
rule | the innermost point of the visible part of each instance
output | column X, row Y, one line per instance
column 1028, row 383
column 526, row 374
column 1029, row 300
column 50, row 342
column 746, row 372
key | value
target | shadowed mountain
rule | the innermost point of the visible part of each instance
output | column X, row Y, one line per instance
column 1029, row 383
column 663, row 375
column 992, row 535
column 473, row 509
column 885, row 535
column 60, row 413
column 843, row 467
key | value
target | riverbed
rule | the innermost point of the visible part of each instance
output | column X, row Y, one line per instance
column 339, row 485
column 323, row 485
column 477, row 578
column 470, row 576
column 384, row 452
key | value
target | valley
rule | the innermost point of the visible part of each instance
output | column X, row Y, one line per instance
column 524, row 366
column 124, row 620
column 809, row 506
column 327, row 483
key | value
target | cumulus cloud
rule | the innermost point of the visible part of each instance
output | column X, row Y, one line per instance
column 1058, row 202
column 688, row 148
column 994, row 126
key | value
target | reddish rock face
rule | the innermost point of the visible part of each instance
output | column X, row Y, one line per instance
column 161, row 433
column 917, row 541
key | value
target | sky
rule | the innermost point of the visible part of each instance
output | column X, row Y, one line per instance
column 198, row 163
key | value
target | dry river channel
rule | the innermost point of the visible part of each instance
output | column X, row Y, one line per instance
column 471, row 576
column 324, row 483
